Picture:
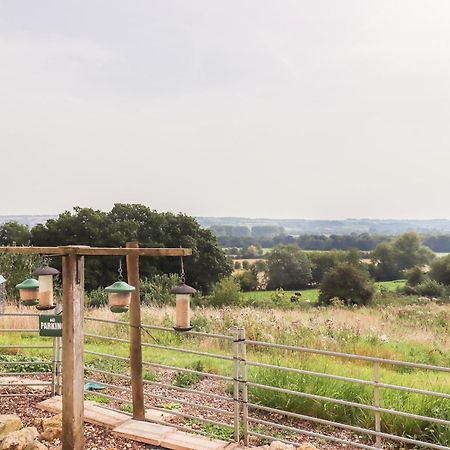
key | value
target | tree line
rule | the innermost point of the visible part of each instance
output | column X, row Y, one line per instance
column 365, row 242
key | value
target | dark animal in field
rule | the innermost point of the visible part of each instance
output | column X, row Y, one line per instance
column 294, row 298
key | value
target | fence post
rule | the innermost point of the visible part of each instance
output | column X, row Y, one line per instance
column 376, row 379
column 236, row 404
column 137, row 380
column 244, row 379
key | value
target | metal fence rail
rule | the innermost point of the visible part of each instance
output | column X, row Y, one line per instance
column 243, row 410
column 54, row 363
column 375, row 383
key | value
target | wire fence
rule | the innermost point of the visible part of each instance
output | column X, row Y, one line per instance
column 237, row 405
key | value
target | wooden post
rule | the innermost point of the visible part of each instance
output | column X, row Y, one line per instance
column 73, row 365
column 137, row 380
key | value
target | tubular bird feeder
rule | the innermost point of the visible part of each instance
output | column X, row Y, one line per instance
column 45, row 274
column 183, row 294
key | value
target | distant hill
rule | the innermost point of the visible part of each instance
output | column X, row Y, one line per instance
column 294, row 226
column 31, row 221
column 348, row 226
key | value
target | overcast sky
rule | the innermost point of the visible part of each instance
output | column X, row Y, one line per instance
column 289, row 109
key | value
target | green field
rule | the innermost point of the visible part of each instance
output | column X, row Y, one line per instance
column 309, row 296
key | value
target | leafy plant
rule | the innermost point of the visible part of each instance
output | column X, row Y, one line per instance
column 156, row 290
column 187, row 379
column 29, row 366
column 150, row 376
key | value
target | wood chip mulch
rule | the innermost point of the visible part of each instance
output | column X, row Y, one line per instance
column 96, row 437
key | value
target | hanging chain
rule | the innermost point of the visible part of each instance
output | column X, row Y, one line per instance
column 45, row 260
column 120, row 270
column 183, row 275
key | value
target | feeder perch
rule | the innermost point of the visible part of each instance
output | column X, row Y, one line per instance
column 183, row 294
column 119, row 296
column 45, row 275
column 29, row 292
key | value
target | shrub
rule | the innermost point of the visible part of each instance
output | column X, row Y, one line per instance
column 226, row 292
column 237, row 265
column 156, row 290
column 247, row 280
column 430, row 288
column 415, row 276
column 349, row 283
column 96, row 298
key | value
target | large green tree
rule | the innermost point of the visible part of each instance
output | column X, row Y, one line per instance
column 14, row 233
column 440, row 270
column 288, row 267
column 405, row 252
column 126, row 222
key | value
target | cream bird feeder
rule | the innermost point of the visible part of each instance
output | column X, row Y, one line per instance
column 119, row 296
column 29, row 292
column 183, row 294
column 45, row 274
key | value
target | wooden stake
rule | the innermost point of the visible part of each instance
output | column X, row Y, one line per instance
column 73, row 365
column 137, row 380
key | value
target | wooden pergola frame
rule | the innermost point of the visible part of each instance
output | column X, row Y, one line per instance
column 73, row 327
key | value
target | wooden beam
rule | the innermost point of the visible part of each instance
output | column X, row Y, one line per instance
column 73, row 365
column 96, row 251
column 105, row 251
column 33, row 250
column 137, row 380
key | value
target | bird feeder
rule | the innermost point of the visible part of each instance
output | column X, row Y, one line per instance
column 45, row 274
column 29, row 292
column 119, row 296
column 183, row 294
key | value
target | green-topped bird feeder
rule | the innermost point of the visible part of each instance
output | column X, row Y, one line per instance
column 29, row 292
column 119, row 296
